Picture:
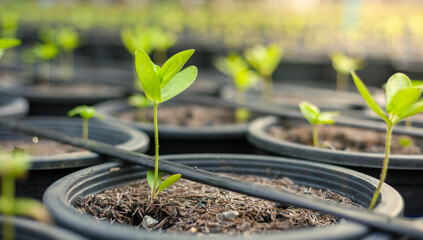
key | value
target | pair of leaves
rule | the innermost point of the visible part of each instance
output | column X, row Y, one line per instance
column 345, row 64
column 161, row 185
column 86, row 112
column 234, row 65
column 264, row 59
column 68, row 39
column 402, row 99
column 314, row 116
column 162, row 84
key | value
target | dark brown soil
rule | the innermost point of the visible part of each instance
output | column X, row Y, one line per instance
column 345, row 138
column 199, row 209
column 186, row 115
column 38, row 147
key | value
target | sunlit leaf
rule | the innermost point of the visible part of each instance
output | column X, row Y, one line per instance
column 310, row 112
column 147, row 75
column 396, row 82
column 9, row 43
column 179, row 83
column 368, row 97
column 173, row 65
column 402, row 100
column 168, row 182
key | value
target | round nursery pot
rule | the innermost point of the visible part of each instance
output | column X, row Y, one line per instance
column 289, row 96
column 61, row 196
column 26, row 229
column 58, row 97
column 61, row 159
column 13, row 107
column 201, row 138
column 405, row 172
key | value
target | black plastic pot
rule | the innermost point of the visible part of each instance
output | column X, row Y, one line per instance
column 13, row 107
column 289, row 96
column 54, row 102
column 174, row 139
column 405, row 171
column 26, row 229
column 60, row 197
column 46, row 169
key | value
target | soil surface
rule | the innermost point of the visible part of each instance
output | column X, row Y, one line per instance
column 199, row 209
column 346, row 138
column 37, row 146
column 186, row 115
column 73, row 89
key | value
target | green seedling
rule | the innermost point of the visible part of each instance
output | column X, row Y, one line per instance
column 160, row 85
column 68, row 40
column 141, row 103
column 12, row 166
column 45, row 52
column 235, row 67
column 265, row 60
column 86, row 114
column 402, row 101
column 343, row 65
column 315, row 117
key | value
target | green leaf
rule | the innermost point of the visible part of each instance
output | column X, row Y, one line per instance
column 85, row 112
column 417, row 84
column 146, row 73
column 310, row 112
column 9, row 42
column 168, row 182
column 150, row 178
column 368, row 97
column 417, row 107
column 396, row 82
column 402, row 100
column 173, row 65
column 179, row 83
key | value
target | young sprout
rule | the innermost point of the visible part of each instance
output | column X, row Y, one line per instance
column 235, row 67
column 343, row 65
column 402, row 101
column 68, row 40
column 265, row 60
column 12, row 166
column 160, row 85
column 162, row 41
column 86, row 114
column 141, row 103
column 136, row 38
column 45, row 52
column 6, row 43
column 315, row 117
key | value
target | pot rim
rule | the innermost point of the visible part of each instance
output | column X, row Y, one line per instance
column 227, row 131
column 258, row 136
column 58, row 199
column 138, row 141
column 15, row 107
column 37, row 229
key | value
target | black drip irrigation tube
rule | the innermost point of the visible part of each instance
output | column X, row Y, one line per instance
column 365, row 217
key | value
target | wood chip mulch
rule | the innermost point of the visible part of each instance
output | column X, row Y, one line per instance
column 345, row 138
column 199, row 209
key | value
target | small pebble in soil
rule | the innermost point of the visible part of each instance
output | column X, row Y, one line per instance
column 230, row 215
column 149, row 222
